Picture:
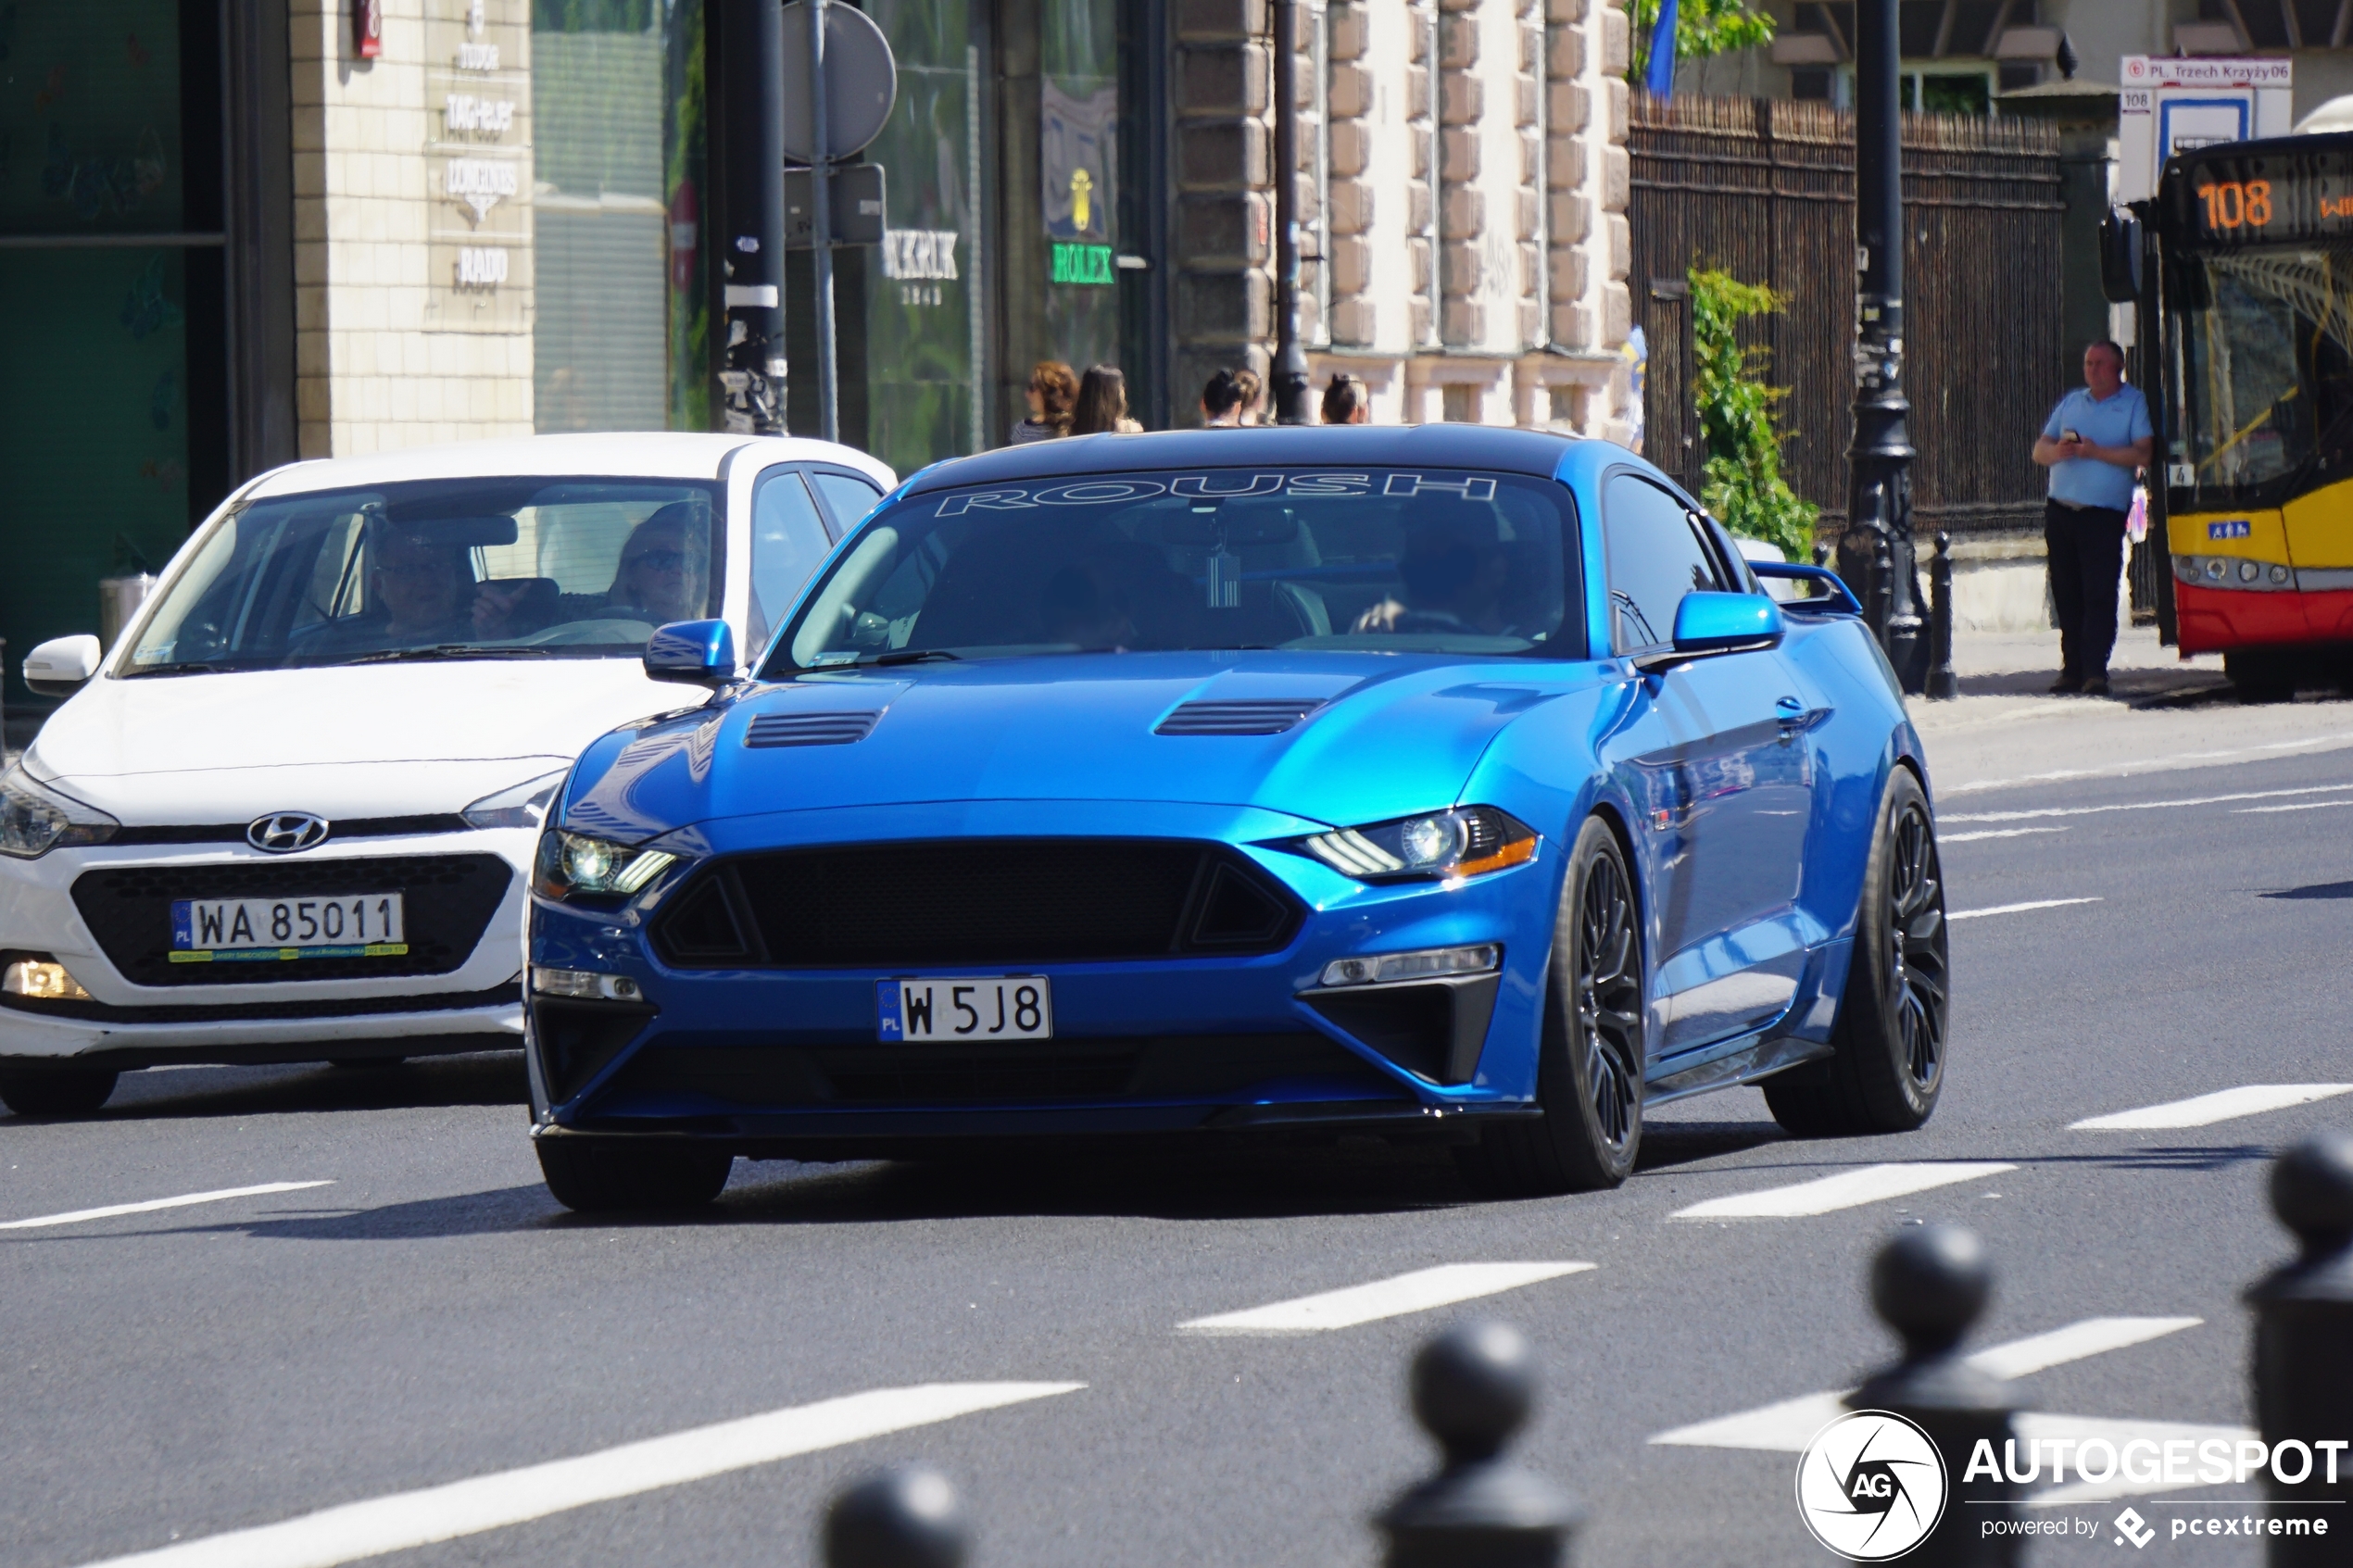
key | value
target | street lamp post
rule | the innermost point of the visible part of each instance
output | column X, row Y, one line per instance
column 1875, row 554
column 1289, row 379
column 752, row 217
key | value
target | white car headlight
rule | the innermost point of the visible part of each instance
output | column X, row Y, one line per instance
column 572, row 864
column 522, row 805
column 35, row 818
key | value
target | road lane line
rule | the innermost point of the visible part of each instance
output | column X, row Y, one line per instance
column 1417, row 1292
column 407, row 1520
column 2019, row 908
column 2204, row 1110
column 1991, row 833
column 2150, row 764
column 1787, row 1426
column 1848, row 1189
column 151, row 1205
column 2029, row 814
column 2300, row 806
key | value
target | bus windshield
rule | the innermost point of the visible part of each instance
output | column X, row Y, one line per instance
column 2263, row 361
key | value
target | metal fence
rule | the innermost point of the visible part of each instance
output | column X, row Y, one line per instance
column 1764, row 189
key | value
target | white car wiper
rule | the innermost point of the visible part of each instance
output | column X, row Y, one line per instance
column 188, row 667
column 446, row 650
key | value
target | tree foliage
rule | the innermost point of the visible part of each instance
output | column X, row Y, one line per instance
column 1703, row 28
column 1742, row 485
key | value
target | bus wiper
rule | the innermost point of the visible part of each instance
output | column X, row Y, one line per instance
column 914, row 655
column 446, row 650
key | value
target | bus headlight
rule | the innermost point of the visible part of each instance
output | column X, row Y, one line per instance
column 2215, row 568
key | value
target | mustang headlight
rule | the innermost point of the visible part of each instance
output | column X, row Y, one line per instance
column 573, row 864
column 1467, row 841
column 35, row 818
column 523, row 806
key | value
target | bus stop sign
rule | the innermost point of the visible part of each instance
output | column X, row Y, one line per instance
column 2174, row 105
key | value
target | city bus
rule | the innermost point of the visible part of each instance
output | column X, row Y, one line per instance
column 2243, row 264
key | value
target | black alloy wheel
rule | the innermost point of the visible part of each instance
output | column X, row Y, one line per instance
column 1589, row 1078
column 56, row 1091
column 600, row 1175
column 1891, row 1037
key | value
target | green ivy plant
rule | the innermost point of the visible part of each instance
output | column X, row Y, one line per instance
column 1703, row 28
column 1743, row 486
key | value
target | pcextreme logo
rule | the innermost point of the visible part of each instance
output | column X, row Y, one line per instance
column 1870, row 1486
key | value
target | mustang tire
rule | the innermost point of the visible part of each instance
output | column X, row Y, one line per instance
column 56, row 1091
column 595, row 1177
column 1891, row 1031
column 1589, row 1075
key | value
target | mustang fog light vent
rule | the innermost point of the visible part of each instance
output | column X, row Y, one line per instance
column 40, row 980
column 1468, row 841
column 1434, row 963
column 584, row 985
column 572, row 863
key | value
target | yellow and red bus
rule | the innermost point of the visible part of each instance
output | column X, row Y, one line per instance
column 2252, row 295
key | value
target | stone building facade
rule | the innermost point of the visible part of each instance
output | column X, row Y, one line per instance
column 1463, row 184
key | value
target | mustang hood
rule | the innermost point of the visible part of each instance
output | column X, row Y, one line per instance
column 1381, row 735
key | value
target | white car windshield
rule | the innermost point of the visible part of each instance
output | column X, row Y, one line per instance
column 440, row 569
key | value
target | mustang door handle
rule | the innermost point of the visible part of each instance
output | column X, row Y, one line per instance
column 1794, row 715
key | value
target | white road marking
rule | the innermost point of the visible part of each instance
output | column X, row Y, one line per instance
column 1787, row 1426
column 2204, row 1110
column 2126, row 769
column 407, row 1520
column 2032, row 812
column 2019, row 908
column 1848, row 1189
column 1417, row 1292
column 151, row 1205
column 1991, row 833
column 2300, row 806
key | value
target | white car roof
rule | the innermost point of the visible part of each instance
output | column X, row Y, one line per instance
column 608, row 454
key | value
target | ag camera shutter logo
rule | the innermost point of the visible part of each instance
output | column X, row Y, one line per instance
column 1870, row 1486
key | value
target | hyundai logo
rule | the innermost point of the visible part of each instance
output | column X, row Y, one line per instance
column 284, row 833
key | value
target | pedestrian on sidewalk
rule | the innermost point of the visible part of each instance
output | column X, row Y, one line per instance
column 1102, row 408
column 1052, row 390
column 1221, row 402
column 1253, row 390
column 2093, row 442
column 1348, row 401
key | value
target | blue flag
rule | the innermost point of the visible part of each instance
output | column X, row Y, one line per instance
column 1661, row 81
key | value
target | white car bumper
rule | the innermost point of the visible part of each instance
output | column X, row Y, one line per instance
column 473, row 1004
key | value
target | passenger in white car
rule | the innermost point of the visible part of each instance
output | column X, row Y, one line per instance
column 662, row 577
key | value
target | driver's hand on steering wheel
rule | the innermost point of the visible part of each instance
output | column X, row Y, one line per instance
column 495, row 605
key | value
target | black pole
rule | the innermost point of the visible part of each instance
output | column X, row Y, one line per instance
column 1290, row 377
column 751, row 225
column 1942, row 680
column 1879, row 518
column 821, row 163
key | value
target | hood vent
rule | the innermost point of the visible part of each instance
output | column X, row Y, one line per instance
column 808, row 729
column 1261, row 716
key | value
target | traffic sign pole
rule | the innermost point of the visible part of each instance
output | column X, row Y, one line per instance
column 753, row 212
column 821, row 216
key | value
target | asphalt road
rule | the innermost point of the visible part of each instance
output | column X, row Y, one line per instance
column 431, row 1315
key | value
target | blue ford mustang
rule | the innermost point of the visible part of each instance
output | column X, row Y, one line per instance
column 1440, row 782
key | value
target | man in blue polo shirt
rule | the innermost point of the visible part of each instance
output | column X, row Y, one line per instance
column 2093, row 443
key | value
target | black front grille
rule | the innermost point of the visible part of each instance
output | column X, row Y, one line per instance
column 1181, row 1068
column 808, row 729
column 976, row 901
column 1267, row 716
column 448, row 900
column 576, row 1039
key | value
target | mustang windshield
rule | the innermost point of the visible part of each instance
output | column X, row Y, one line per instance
column 1437, row 561
column 441, row 569
column 2265, row 376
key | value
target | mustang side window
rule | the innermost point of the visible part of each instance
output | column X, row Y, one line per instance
column 1654, row 558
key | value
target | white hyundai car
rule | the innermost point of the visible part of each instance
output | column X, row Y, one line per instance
column 290, row 815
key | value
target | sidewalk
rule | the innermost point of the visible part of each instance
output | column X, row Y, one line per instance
column 2167, row 713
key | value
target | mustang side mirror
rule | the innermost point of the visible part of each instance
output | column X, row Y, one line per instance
column 699, row 652
column 1723, row 622
column 61, row 666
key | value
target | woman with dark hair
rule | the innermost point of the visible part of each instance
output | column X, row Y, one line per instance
column 1253, row 390
column 1348, row 401
column 1102, row 404
column 1052, row 388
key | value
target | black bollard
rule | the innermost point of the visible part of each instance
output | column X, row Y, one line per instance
column 2304, row 1353
column 1473, row 1387
column 1942, row 682
column 902, row 1518
column 1929, row 1284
